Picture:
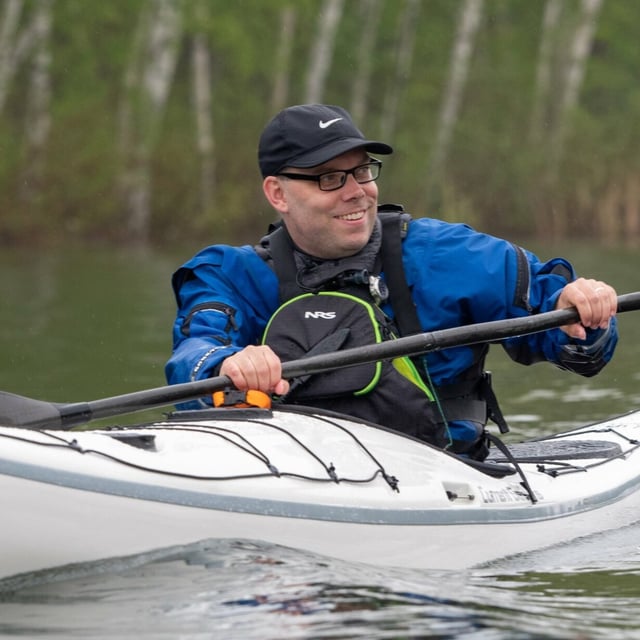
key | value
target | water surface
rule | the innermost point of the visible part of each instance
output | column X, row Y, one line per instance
column 85, row 324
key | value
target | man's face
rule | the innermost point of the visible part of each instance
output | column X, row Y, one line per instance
column 326, row 224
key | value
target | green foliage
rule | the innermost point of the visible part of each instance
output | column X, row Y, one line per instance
column 493, row 176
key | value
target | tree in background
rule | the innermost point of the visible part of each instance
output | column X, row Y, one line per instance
column 19, row 46
column 371, row 11
column 565, row 46
column 404, row 50
column 202, row 70
column 147, row 83
column 322, row 49
column 282, row 63
column 462, row 50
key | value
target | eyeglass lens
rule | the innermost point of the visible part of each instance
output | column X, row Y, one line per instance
column 362, row 174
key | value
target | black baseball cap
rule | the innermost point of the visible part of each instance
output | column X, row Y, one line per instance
column 307, row 135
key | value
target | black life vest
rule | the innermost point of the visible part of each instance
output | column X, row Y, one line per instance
column 396, row 394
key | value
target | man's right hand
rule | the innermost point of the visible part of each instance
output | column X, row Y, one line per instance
column 256, row 367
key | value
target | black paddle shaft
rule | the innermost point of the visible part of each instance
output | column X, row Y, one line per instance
column 18, row 411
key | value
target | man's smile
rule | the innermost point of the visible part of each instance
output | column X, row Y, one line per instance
column 356, row 215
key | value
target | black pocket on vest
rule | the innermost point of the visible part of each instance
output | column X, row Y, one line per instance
column 304, row 322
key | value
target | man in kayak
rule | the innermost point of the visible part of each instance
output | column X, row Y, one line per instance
column 411, row 274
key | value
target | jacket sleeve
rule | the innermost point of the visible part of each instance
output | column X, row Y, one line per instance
column 460, row 276
column 546, row 280
column 225, row 295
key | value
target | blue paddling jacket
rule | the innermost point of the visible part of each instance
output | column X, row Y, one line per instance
column 457, row 276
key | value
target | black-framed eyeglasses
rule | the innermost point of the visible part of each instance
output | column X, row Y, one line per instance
column 332, row 180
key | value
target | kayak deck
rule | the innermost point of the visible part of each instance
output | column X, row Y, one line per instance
column 315, row 481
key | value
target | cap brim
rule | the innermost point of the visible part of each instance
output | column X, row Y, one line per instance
column 336, row 148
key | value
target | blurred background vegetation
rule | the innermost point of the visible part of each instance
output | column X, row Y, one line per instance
column 136, row 121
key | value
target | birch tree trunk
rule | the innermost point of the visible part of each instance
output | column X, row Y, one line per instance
column 38, row 107
column 202, row 103
column 468, row 24
column 280, row 93
column 578, row 55
column 406, row 33
column 540, row 111
column 322, row 50
column 543, row 119
column 15, row 44
column 8, row 28
column 370, row 11
column 147, row 82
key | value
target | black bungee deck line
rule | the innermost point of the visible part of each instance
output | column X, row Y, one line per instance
column 29, row 413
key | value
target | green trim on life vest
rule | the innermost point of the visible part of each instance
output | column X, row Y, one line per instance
column 405, row 367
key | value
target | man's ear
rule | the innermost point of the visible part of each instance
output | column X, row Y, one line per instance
column 273, row 191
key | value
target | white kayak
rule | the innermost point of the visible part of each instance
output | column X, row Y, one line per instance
column 306, row 479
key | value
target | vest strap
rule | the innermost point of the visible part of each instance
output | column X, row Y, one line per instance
column 394, row 228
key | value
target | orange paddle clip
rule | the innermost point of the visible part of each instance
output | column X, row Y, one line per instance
column 231, row 398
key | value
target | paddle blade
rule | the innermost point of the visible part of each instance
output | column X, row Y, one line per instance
column 18, row 411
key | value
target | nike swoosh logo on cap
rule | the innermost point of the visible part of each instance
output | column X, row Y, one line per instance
column 328, row 123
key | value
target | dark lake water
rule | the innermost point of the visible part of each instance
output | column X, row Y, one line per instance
column 85, row 324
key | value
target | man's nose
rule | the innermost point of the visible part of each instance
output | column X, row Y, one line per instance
column 352, row 188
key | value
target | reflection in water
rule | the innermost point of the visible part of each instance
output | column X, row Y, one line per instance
column 242, row 589
column 81, row 325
